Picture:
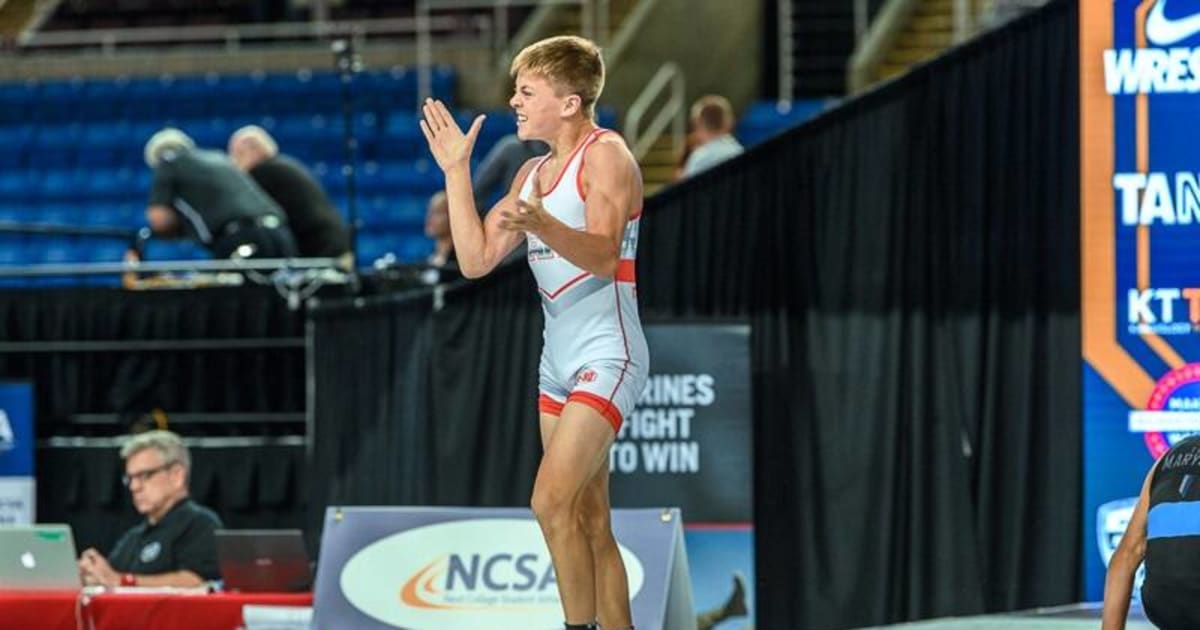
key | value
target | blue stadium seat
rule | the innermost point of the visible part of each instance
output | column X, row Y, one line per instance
column 371, row 247
column 409, row 211
column 405, row 212
column 106, row 184
column 104, row 251
column 238, row 96
column 389, row 89
column 16, row 100
column 414, row 248
column 104, row 98
column 17, row 136
column 145, row 98
column 765, row 119
column 158, row 249
column 12, row 254
column 11, row 214
column 60, row 214
column 59, row 101
column 444, row 83
column 106, row 135
column 112, row 215
column 12, row 159
column 17, row 186
column 60, row 185
column 56, row 250
column 421, row 177
column 402, row 139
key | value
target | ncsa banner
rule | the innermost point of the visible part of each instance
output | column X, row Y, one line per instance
column 1140, row 198
column 465, row 569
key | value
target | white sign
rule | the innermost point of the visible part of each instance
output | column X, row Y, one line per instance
column 17, row 501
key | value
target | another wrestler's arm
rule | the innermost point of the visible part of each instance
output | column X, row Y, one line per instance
column 1118, row 584
column 609, row 177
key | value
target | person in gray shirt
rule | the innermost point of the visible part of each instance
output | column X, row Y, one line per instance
column 498, row 168
column 200, row 194
column 712, row 120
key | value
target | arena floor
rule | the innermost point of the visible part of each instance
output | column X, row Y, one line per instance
column 1072, row 617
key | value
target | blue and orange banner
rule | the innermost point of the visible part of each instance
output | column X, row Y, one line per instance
column 1140, row 203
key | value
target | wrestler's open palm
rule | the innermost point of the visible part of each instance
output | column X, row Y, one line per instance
column 449, row 145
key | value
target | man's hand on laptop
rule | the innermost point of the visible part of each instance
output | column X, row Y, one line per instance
column 94, row 569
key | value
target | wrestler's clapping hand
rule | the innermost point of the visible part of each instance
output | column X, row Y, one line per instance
column 450, row 147
column 529, row 216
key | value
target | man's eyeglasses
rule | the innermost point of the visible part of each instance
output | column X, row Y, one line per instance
column 143, row 476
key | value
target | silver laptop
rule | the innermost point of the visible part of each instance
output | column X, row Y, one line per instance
column 37, row 557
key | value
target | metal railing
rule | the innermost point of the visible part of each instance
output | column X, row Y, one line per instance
column 295, row 279
column 787, row 60
column 491, row 24
column 233, row 37
column 672, row 113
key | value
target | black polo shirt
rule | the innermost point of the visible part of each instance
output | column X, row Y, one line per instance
column 182, row 541
column 315, row 222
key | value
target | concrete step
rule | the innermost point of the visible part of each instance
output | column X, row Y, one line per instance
column 932, row 22
column 934, row 7
column 910, row 56
column 925, row 39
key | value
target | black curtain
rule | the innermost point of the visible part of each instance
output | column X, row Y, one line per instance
column 909, row 264
column 123, row 379
column 424, row 400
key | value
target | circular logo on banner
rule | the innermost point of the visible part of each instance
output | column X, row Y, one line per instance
column 150, row 552
column 1178, row 390
column 462, row 575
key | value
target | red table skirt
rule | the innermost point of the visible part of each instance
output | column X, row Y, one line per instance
column 38, row 610
column 55, row 610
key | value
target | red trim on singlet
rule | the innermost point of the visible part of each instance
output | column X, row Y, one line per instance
column 637, row 214
column 533, row 172
column 603, row 407
column 548, row 405
column 626, row 271
column 625, row 340
column 567, row 164
column 583, row 160
column 570, row 283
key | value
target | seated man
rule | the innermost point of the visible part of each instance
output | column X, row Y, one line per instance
column 200, row 194
column 317, row 225
column 175, row 545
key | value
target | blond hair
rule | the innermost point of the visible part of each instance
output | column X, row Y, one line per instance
column 572, row 63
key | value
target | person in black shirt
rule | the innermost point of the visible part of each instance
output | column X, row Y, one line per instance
column 200, row 194
column 317, row 225
column 1165, row 532
column 175, row 545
